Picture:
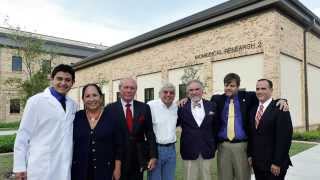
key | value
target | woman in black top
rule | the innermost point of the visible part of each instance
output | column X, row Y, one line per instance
column 97, row 140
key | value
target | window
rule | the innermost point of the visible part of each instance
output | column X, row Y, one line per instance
column 16, row 63
column 103, row 99
column 148, row 94
column 118, row 96
column 46, row 66
column 182, row 91
column 14, row 105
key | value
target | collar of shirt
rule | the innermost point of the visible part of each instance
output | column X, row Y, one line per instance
column 265, row 104
column 61, row 98
column 165, row 106
column 198, row 113
column 124, row 106
column 235, row 98
column 199, row 102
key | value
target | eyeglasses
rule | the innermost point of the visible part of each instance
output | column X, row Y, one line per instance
column 168, row 92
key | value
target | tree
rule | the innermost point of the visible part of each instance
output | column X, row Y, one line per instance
column 37, row 83
column 30, row 47
column 190, row 73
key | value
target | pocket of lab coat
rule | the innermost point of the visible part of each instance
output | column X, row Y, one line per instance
column 38, row 162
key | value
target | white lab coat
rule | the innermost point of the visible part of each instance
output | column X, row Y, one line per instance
column 43, row 146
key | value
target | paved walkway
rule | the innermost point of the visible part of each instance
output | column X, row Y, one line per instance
column 306, row 165
column 9, row 132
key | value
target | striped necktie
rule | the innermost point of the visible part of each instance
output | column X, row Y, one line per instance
column 259, row 115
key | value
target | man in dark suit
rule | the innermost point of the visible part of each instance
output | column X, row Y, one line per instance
column 140, row 151
column 233, row 109
column 270, row 136
column 198, row 135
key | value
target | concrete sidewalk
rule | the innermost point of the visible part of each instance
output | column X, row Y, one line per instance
column 306, row 165
column 9, row 132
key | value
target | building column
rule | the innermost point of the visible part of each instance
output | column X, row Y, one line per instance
column 271, row 59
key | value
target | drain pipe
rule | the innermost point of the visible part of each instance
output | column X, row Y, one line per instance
column 305, row 66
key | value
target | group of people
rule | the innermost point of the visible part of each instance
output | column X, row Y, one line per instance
column 127, row 137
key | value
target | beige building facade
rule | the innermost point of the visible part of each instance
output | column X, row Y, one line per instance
column 256, row 39
column 12, row 66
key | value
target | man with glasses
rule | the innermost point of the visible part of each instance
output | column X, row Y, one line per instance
column 164, row 120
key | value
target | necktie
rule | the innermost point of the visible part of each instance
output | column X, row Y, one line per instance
column 259, row 115
column 129, row 117
column 230, row 130
column 196, row 104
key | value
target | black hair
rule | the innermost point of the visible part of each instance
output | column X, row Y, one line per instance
column 268, row 81
column 231, row 77
column 64, row 68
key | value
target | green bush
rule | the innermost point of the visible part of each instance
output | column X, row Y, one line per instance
column 6, row 143
column 10, row 125
column 307, row 136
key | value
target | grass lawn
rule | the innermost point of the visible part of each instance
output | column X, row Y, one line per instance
column 5, row 165
column 9, row 125
column 6, row 161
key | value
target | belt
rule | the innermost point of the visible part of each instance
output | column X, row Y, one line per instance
column 234, row 141
column 166, row 145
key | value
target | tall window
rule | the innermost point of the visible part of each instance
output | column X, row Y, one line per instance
column 148, row 94
column 103, row 99
column 46, row 66
column 16, row 63
column 182, row 91
column 118, row 96
column 14, row 105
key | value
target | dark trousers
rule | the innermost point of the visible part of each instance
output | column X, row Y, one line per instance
column 132, row 175
column 267, row 175
column 130, row 169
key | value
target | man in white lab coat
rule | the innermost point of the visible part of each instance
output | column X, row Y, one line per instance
column 43, row 146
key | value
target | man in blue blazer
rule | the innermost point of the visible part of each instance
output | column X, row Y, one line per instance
column 198, row 135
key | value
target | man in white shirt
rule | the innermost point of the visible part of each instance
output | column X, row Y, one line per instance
column 164, row 120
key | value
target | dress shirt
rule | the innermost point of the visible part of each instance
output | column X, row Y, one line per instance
column 198, row 112
column 164, row 120
column 239, row 130
column 125, row 108
column 61, row 98
column 265, row 105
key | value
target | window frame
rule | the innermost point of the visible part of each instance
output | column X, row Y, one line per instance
column 16, row 66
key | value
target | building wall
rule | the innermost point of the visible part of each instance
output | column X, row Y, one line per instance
column 313, row 54
column 314, row 95
column 250, row 32
column 148, row 81
column 265, row 45
column 8, row 92
column 292, row 45
column 291, row 87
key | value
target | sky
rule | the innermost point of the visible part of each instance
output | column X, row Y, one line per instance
column 106, row 22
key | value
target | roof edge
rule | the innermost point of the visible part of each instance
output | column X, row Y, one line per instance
column 215, row 15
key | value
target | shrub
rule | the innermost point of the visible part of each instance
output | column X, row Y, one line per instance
column 6, row 143
column 307, row 136
column 10, row 125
